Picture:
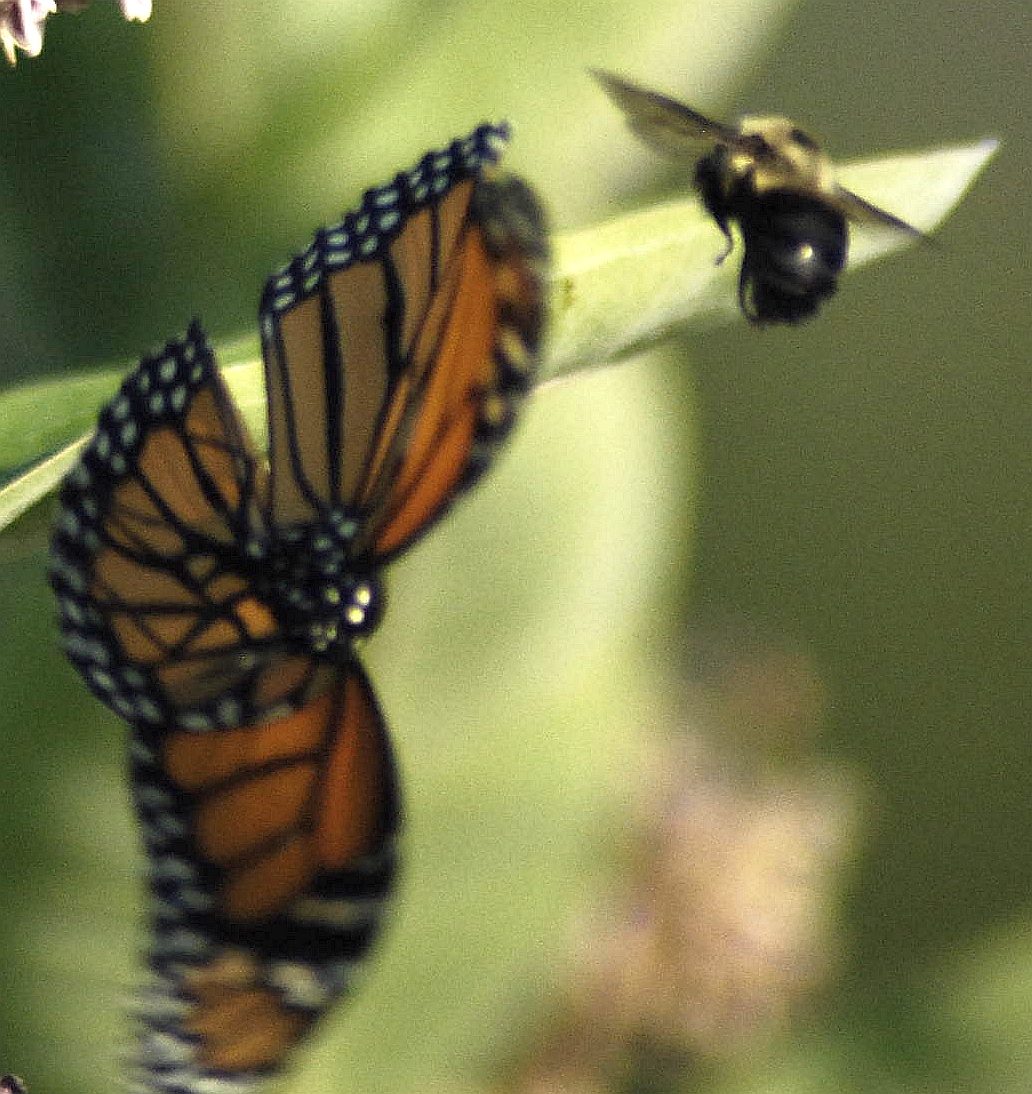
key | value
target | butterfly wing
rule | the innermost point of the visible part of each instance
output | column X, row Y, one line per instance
column 271, row 852
column 397, row 346
column 149, row 555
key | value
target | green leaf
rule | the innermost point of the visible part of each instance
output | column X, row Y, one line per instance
column 623, row 285
column 619, row 287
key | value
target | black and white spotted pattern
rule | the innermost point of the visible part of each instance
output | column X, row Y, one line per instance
column 367, row 231
column 305, row 958
column 157, row 395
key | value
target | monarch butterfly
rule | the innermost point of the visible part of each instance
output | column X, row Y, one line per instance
column 214, row 600
column 774, row 180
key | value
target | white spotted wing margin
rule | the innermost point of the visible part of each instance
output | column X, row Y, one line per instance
column 399, row 345
column 148, row 557
column 234, row 991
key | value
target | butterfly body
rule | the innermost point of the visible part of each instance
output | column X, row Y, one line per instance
column 771, row 179
column 321, row 596
column 213, row 598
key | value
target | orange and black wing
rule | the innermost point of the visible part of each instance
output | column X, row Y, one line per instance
column 397, row 346
column 150, row 556
column 271, row 857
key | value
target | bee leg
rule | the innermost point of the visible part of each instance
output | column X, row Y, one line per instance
column 709, row 181
column 723, row 226
column 747, row 294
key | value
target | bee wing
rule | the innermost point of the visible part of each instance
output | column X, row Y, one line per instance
column 863, row 212
column 664, row 123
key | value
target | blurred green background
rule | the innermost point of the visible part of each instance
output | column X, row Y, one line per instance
column 862, row 483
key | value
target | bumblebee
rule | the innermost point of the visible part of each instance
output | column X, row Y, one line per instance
column 771, row 178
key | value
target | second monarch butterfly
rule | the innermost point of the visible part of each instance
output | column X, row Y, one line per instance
column 213, row 600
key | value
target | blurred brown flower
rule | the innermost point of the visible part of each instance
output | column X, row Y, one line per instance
column 723, row 924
